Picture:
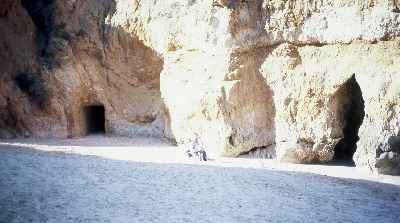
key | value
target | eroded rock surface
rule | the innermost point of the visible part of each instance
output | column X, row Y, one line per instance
column 316, row 80
column 316, row 97
column 68, row 48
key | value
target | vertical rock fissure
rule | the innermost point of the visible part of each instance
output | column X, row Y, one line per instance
column 42, row 14
column 351, row 114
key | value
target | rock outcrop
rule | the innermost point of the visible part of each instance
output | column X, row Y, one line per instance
column 328, row 97
column 309, row 81
column 76, row 59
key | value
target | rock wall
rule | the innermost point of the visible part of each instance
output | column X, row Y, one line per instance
column 307, row 81
column 78, row 60
column 315, row 87
column 22, row 87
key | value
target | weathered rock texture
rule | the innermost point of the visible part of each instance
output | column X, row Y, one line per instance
column 67, row 50
column 309, row 81
column 319, row 101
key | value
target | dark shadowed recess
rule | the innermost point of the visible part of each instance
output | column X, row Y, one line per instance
column 351, row 113
column 33, row 86
column 95, row 119
column 42, row 14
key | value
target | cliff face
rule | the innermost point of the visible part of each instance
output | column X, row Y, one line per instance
column 75, row 59
column 307, row 81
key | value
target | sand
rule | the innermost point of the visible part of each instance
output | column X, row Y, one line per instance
column 116, row 179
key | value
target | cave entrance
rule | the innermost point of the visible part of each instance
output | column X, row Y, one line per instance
column 95, row 119
column 350, row 110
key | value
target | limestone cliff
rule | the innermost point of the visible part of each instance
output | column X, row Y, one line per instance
column 307, row 80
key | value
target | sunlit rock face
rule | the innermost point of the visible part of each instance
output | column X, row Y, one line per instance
column 309, row 81
column 248, row 74
column 324, row 94
column 332, row 21
column 380, row 86
column 169, row 25
column 242, row 25
column 221, row 97
column 208, row 85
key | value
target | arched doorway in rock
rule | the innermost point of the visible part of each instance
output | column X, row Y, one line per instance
column 350, row 113
column 94, row 119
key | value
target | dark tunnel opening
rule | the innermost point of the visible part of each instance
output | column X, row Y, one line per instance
column 95, row 119
column 351, row 115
